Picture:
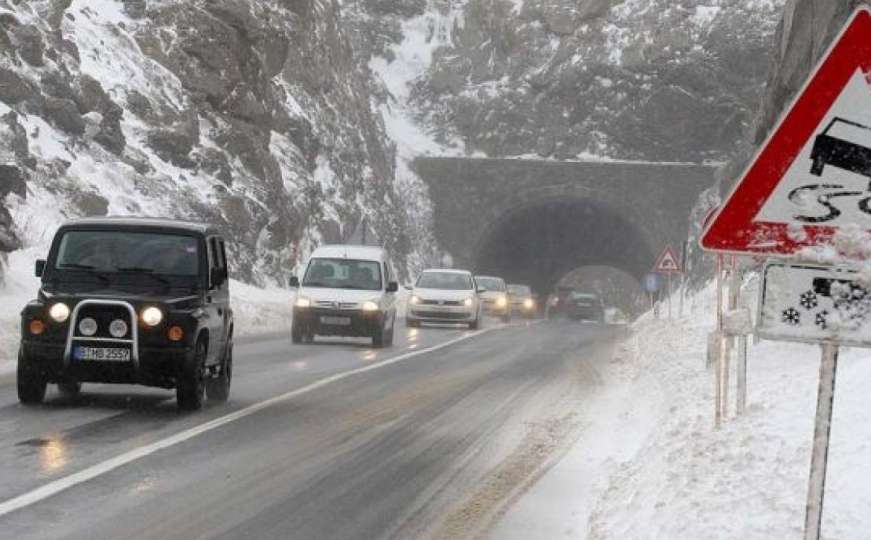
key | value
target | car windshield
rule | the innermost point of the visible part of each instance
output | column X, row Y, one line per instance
column 343, row 274
column 490, row 283
column 125, row 251
column 445, row 280
column 519, row 290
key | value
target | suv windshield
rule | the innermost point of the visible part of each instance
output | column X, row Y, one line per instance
column 490, row 283
column 343, row 274
column 125, row 251
column 445, row 280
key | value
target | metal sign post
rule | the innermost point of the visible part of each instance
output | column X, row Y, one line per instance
column 822, row 430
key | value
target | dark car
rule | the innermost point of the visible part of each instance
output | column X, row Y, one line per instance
column 131, row 301
column 586, row 307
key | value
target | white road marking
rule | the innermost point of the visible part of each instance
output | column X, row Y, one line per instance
column 61, row 484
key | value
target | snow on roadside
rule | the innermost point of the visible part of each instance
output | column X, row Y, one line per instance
column 749, row 479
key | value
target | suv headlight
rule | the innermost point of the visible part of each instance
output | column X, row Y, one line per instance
column 528, row 303
column 501, row 301
column 468, row 302
column 152, row 316
column 60, row 312
column 414, row 300
column 303, row 302
column 369, row 305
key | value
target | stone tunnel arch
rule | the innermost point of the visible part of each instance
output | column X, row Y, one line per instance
column 540, row 242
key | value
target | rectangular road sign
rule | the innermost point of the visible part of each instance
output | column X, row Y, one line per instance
column 814, row 304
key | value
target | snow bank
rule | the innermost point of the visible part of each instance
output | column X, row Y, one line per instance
column 749, row 479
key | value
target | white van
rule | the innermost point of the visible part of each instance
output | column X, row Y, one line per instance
column 347, row 291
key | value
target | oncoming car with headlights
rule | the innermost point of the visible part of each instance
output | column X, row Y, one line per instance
column 522, row 300
column 346, row 291
column 131, row 301
column 444, row 296
column 495, row 297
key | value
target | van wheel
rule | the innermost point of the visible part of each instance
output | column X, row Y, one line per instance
column 378, row 339
column 474, row 325
column 191, row 385
column 69, row 388
column 296, row 335
column 218, row 388
column 31, row 382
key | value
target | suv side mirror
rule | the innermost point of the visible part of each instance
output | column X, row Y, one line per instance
column 482, row 290
column 218, row 277
column 293, row 282
column 409, row 287
column 39, row 269
column 392, row 286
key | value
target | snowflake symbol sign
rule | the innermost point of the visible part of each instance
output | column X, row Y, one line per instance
column 809, row 300
column 821, row 320
column 791, row 316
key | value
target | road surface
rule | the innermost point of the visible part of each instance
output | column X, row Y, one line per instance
column 329, row 440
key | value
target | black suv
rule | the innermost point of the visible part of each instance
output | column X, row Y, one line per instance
column 130, row 300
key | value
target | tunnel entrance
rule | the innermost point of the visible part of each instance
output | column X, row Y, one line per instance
column 540, row 243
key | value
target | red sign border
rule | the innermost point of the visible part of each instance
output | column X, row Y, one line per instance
column 733, row 227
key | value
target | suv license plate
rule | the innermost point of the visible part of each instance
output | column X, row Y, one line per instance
column 338, row 321
column 102, row 354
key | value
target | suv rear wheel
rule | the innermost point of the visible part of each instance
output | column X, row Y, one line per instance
column 296, row 334
column 218, row 388
column 191, row 385
column 31, row 381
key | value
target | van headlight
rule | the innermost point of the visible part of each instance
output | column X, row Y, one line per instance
column 303, row 302
column 152, row 316
column 59, row 312
column 414, row 300
column 501, row 302
column 528, row 303
column 468, row 302
column 369, row 305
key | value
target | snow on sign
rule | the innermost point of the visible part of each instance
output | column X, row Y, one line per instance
column 667, row 262
column 813, row 174
column 813, row 304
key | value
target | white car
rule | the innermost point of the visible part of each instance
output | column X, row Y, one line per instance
column 347, row 291
column 444, row 296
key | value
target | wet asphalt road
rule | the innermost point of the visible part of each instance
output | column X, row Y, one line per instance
column 383, row 453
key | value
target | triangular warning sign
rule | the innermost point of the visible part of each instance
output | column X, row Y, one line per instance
column 667, row 263
column 813, row 174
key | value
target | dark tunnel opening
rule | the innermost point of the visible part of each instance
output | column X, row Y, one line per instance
column 539, row 244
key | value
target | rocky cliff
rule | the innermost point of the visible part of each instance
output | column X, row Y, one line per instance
column 661, row 80
column 253, row 114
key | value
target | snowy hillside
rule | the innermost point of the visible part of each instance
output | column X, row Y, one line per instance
column 253, row 115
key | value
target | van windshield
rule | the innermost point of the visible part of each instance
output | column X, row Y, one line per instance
column 343, row 274
column 125, row 251
column 451, row 281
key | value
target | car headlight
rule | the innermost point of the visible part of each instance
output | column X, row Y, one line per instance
column 303, row 302
column 468, row 302
column 414, row 300
column 118, row 328
column 528, row 303
column 501, row 302
column 88, row 326
column 152, row 316
column 369, row 305
column 59, row 312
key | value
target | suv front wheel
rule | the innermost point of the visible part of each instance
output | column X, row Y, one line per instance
column 191, row 384
column 218, row 388
column 31, row 382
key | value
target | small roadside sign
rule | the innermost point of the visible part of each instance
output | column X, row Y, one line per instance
column 667, row 262
column 813, row 304
column 651, row 283
column 813, row 174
